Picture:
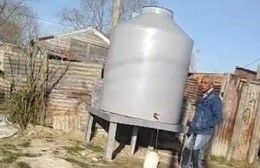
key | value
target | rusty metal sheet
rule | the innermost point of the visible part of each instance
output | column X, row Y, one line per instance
column 245, row 122
column 231, row 89
column 238, row 136
column 254, row 150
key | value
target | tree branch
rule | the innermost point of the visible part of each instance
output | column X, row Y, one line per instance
column 11, row 13
column 97, row 13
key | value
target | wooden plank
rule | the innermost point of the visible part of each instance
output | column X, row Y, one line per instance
column 23, row 61
column 77, row 64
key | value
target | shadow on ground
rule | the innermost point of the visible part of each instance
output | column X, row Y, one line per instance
column 167, row 141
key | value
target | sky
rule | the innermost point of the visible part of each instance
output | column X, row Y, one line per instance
column 225, row 32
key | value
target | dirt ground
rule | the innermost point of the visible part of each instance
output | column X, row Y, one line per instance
column 41, row 147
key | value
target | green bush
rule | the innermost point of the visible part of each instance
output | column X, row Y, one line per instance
column 24, row 107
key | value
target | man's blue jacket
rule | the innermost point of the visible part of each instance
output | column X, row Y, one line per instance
column 208, row 114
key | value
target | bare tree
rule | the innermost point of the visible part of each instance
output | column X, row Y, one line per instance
column 32, row 81
column 130, row 6
column 98, row 13
column 93, row 13
column 17, row 21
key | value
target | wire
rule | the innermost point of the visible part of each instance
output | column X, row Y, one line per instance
column 39, row 18
column 50, row 21
column 46, row 20
column 252, row 62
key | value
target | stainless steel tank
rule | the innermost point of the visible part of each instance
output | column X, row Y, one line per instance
column 147, row 67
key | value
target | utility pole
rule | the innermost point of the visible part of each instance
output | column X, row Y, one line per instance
column 258, row 73
column 116, row 12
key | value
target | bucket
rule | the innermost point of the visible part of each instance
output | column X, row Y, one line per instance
column 151, row 159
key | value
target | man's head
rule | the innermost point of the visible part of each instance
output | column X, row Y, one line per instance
column 207, row 83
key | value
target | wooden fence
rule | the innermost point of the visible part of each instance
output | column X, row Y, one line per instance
column 68, row 100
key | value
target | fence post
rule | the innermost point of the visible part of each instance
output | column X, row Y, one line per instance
column 255, row 140
column 258, row 73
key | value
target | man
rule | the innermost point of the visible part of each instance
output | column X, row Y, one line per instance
column 208, row 114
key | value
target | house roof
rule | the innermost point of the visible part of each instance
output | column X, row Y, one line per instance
column 86, row 45
column 205, row 73
column 246, row 70
column 95, row 31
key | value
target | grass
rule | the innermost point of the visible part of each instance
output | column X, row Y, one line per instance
column 80, row 164
column 23, row 165
column 128, row 163
column 50, row 140
column 217, row 159
column 10, row 147
column 26, row 144
column 30, row 155
column 74, row 149
column 95, row 148
column 79, row 146
column 55, row 152
column 231, row 163
column 10, row 157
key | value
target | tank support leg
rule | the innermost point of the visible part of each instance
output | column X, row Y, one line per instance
column 89, row 129
column 111, row 140
column 134, row 139
column 151, row 143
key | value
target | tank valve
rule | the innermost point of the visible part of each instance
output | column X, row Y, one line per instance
column 156, row 116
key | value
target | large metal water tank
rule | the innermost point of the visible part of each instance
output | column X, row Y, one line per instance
column 147, row 67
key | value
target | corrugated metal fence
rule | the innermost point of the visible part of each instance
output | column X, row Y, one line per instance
column 231, row 89
column 238, row 137
column 68, row 100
